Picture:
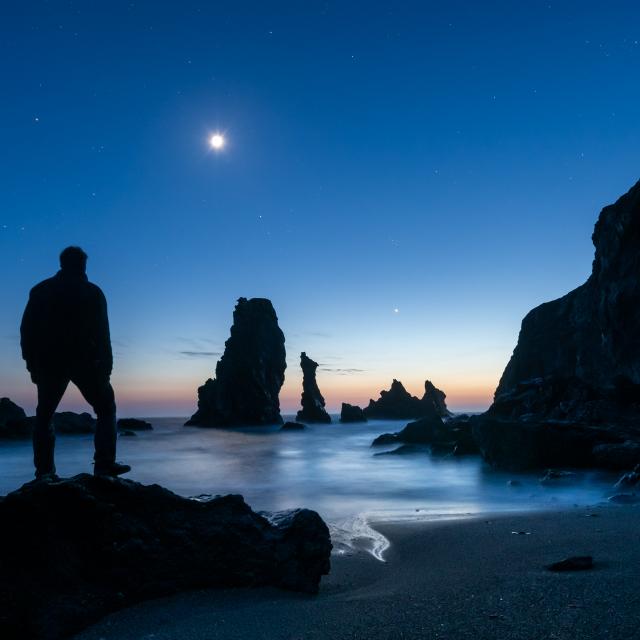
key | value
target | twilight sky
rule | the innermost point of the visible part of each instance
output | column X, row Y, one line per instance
column 404, row 180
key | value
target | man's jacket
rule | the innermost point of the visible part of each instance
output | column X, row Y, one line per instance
column 65, row 328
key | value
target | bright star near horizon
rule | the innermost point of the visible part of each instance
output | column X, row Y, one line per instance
column 217, row 141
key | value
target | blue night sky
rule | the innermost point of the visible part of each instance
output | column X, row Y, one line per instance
column 404, row 180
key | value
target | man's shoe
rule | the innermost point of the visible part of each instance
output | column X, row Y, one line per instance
column 114, row 469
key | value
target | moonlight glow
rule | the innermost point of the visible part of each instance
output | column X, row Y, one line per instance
column 217, row 142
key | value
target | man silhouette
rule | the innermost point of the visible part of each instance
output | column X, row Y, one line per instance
column 65, row 338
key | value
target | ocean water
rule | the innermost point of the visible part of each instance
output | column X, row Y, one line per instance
column 329, row 468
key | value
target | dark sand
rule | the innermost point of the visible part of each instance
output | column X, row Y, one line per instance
column 456, row 579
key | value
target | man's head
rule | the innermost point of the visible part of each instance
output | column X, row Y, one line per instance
column 74, row 260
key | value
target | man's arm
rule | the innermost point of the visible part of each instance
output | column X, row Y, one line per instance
column 28, row 333
column 103, row 336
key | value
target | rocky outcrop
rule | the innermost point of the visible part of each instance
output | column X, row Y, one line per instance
column 395, row 404
column 70, row 422
column 312, row 401
column 399, row 404
column 453, row 436
column 576, row 366
column 134, row 424
column 352, row 413
column 74, row 550
column 250, row 373
column 436, row 397
column 18, row 425
column 578, row 357
column 12, row 420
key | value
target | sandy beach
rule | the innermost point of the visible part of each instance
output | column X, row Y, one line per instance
column 475, row 578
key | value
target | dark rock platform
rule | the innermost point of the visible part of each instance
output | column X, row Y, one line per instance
column 74, row 550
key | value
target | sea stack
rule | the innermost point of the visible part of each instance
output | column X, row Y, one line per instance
column 250, row 374
column 577, row 360
column 312, row 401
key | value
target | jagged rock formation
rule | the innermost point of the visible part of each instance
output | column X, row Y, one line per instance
column 437, row 398
column 352, row 413
column 134, row 424
column 312, row 401
column 74, row 550
column 399, row 404
column 12, row 420
column 453, row 436
column 395, row 404
column 250, row 373
column 577, row 360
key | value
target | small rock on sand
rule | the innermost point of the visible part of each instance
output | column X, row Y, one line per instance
column 573, row 563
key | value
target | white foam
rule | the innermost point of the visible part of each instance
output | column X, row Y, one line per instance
column 356, row 534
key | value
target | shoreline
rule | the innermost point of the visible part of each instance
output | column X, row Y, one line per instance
column 475, row 577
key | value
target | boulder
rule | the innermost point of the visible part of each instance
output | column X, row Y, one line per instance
column 134, row 424
column 250, row 373
column 292, row 426
column 312, row 401
column 441, row 437
column 64, row 422
column 351, row 413
column 68, row 422
column 73, row 550
column 573, row 563
column 13, row 420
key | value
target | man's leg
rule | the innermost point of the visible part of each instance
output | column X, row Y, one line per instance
column 98, row 392
column 51, row 388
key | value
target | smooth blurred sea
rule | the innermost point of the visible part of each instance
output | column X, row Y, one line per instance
column 329, row 468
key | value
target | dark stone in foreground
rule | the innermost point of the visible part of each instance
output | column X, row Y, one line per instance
column 574, row 563
column 312, row 401
column 292, row 426
column 577, row 360
column 134, row 424
column 74, row 550
column 352, row 413
column 250, row 373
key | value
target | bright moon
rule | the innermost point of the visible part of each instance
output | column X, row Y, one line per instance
column 217, row 141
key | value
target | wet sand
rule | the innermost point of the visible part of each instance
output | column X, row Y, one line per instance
column 471, row 579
